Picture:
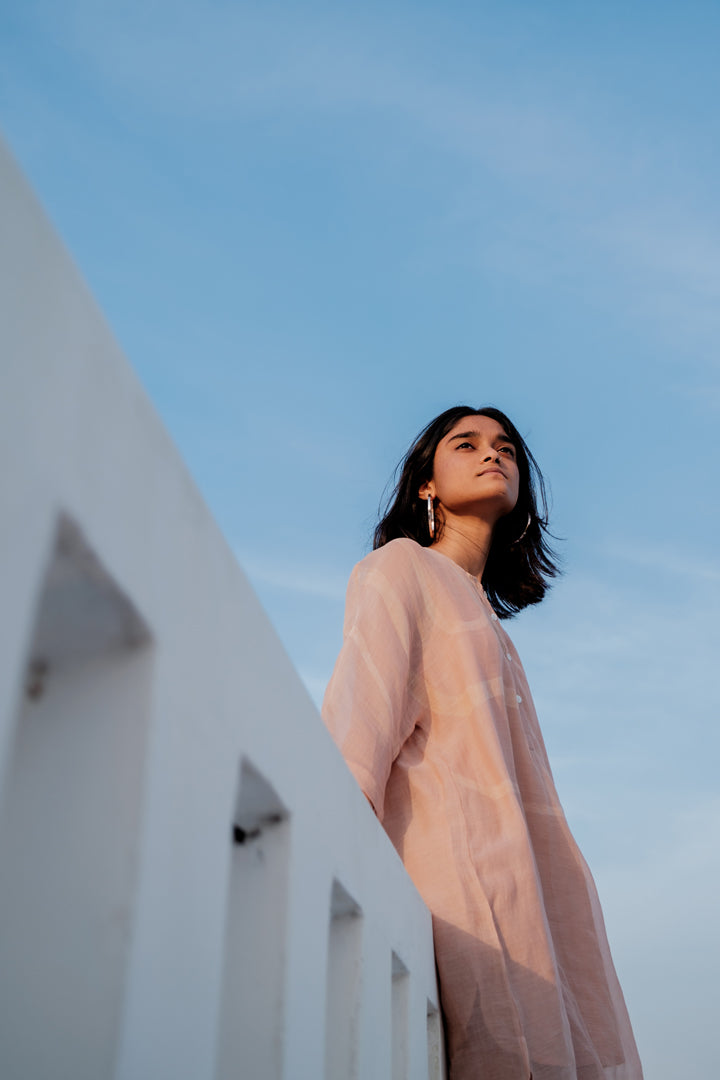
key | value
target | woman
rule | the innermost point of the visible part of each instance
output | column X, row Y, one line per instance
column 430, row 706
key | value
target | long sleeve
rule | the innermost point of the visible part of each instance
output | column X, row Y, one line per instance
column 371, row 706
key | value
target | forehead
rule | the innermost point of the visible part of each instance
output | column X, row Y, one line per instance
column 482, row 425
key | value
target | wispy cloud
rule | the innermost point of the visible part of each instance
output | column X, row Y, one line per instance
column 671, row 561
column 190, row 62
column 293, row 578
column 591, row 207
column 624, row 693
column 668, row 244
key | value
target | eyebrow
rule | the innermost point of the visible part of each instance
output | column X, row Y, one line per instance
column 502, row 437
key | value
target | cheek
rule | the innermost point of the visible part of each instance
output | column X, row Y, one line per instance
column 443, row 473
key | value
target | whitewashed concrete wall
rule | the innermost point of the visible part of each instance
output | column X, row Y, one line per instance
column 191, row 885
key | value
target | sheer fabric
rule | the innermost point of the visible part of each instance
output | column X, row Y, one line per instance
column 430, row 707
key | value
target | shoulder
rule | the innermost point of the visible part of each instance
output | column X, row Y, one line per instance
column 396, row 568
column 399, row 560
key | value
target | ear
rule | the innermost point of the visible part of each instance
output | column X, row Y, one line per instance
column 428, row 488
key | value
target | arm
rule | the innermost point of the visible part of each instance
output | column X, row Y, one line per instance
column 370, row 706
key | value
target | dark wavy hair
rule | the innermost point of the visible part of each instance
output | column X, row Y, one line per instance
column 520, row 562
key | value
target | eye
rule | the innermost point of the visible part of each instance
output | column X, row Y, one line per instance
column 510, row 450
column 463, row 444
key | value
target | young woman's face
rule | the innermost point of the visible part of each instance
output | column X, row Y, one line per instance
column 475, row 470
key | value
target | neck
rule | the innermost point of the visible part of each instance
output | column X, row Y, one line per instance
column 467, row 542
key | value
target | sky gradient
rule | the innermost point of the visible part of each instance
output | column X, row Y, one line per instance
column 312, row 228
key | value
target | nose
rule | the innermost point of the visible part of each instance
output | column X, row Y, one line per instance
column 492, row 455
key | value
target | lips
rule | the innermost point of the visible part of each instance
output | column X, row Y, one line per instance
column 487, row 472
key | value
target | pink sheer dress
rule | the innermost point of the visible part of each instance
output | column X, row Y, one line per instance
column 431, row 709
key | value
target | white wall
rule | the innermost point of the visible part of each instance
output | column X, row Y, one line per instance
column 150, row 720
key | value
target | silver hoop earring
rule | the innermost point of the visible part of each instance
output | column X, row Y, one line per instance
column 522, row 534
column 431, row 516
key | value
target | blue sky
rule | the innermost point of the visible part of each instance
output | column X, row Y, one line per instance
column 312, row 227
